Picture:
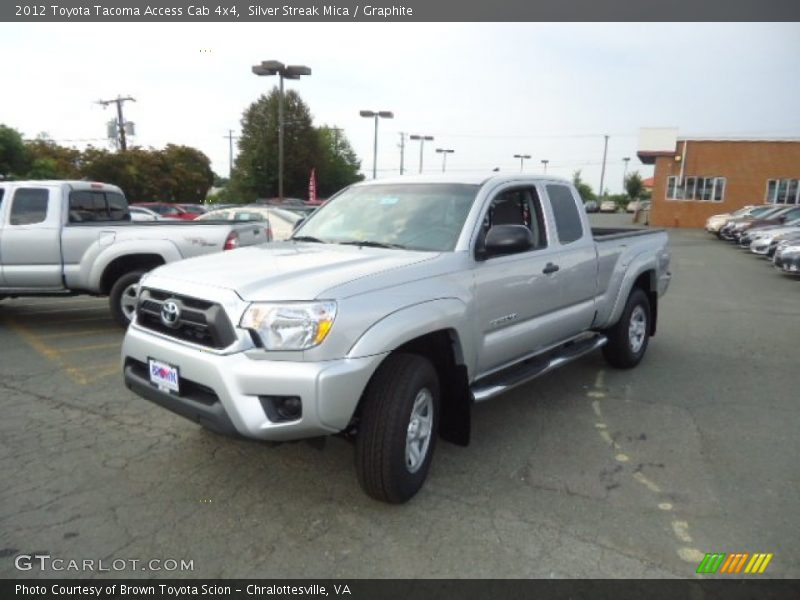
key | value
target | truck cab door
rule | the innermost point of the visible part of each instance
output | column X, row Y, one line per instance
column 576, row 259
column 30, row 247
column 515, row 294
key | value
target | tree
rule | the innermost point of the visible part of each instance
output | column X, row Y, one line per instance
column 584, row 189
column 338, row 164
column 326, row 149
column 48, row 160
column 633, row 185
column 13, row 158
column 189, row 174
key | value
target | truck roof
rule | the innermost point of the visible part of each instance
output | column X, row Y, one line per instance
column 469, row 179
column 73, row 183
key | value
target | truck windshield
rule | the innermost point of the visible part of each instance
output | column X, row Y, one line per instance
column 415, row 216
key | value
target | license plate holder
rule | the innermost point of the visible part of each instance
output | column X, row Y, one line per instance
column 164, row 376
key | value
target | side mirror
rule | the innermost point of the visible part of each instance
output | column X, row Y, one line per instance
column 507, row 239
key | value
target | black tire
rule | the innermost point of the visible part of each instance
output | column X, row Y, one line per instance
column 122, row 287
column 625, row 349
column 381, row 461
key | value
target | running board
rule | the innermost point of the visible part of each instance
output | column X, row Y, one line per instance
column 497, row 383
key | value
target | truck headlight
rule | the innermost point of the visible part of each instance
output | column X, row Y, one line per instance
column 290, row 325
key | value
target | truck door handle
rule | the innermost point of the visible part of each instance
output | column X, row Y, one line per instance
column 550, row 268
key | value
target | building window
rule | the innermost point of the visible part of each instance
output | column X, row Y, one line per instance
column 783, row 191
column 703, row 189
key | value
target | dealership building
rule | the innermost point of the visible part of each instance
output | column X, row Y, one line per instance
column 696, row 177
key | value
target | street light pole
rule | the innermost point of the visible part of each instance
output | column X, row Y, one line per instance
column 626, row 160
column 274, row 67
column 422, row 139
column 444, row 152
column 603, row 170
column 383, row 114
column 521, row 158
column 544, row 162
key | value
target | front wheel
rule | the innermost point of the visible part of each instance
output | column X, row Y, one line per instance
column 627, row 340
column 398, row 428
column 122, row 297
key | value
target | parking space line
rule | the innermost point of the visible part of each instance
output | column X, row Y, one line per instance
column 79, row 375
column 66, row 334
column 93, row 347
column 680, row 529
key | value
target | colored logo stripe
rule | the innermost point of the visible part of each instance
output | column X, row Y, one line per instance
column 758, row 563
column 710, row 563
column 734, row 563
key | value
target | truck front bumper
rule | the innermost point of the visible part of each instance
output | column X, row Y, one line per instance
column 230, row 393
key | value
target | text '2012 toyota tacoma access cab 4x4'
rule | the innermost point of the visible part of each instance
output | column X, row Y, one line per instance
column 392, row 309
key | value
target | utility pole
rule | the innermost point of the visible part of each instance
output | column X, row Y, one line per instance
column 230, row 137
column 603, row 171
column 119, row 100
column 402, row 150
column 626, row 160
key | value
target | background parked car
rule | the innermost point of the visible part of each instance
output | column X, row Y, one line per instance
column 715, row 222
column 167, row 209
column 608, row 206
column 591, row 206
column 280, row 222
column 195, row 209
column 140, row 213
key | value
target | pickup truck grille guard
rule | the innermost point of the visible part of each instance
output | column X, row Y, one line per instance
column 200, row 322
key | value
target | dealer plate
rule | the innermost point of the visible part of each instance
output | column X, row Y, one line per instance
column 164, row 375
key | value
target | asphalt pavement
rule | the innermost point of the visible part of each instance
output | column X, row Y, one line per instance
column 586, row 472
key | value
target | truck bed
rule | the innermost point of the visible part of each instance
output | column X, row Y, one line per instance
column 602, row 234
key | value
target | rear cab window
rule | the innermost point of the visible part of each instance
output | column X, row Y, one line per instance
column 97, row 205
column 569, row 226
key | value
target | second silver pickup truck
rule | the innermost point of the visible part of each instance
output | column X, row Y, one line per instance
column 73, row 237
column 392, row 309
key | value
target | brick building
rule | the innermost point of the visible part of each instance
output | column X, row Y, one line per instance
column 695, row 178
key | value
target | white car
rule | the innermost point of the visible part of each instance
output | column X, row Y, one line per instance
column 608, row 206
column 281, row 222
column 140, row 213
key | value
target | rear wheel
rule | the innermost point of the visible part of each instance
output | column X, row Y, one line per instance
column 627, row 340
column 398, row 428
column 122, row 297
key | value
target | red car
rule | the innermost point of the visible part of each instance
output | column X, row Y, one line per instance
column 169, row 211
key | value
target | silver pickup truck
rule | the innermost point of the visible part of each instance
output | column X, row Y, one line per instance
column 71, row 237
column 391, row 310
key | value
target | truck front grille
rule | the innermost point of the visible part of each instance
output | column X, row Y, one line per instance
column 199, row 321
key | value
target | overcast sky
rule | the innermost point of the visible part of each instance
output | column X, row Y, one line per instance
column 488, row 91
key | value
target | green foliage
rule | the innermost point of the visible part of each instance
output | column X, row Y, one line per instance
column 255, row 174
column 584, row 189
column 13, row 158
column 338, row 166
column 634, row 186
column 48, row 160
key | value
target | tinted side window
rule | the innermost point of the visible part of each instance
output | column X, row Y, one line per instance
column 565, row 211
column 117, row 206
column 88, row 205
column 29, row 206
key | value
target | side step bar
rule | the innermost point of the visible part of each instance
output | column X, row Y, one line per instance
column 497, row 383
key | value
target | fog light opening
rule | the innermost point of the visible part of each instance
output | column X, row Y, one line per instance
column 280, row 409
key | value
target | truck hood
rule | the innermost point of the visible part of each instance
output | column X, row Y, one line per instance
column 285, row 271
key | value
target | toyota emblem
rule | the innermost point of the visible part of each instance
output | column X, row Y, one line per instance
column 170, row 313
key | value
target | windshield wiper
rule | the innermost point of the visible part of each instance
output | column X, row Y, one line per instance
column 372, row 244
column 307, row 238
